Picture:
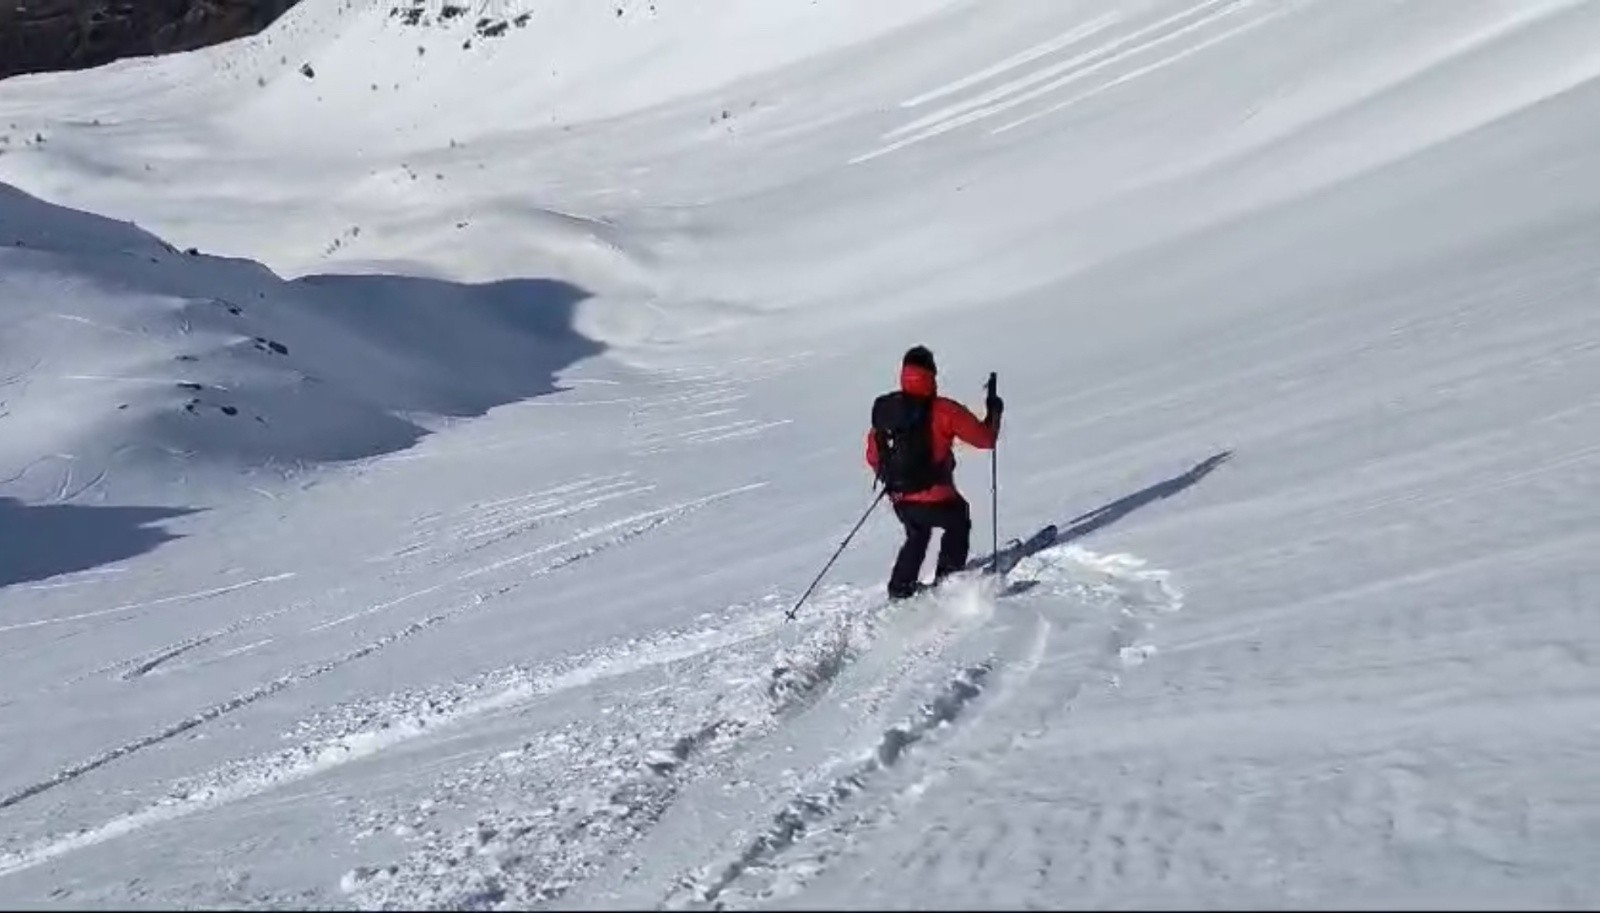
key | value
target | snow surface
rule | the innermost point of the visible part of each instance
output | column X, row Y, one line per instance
column 405, row 468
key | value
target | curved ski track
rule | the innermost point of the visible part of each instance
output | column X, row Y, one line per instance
column 867, row 686
column 621, row 532
column 698, row 709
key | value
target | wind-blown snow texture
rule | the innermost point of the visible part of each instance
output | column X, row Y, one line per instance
column 414, row 425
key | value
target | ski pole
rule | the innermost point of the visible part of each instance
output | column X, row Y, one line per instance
column 837, row 552
column 994, row 480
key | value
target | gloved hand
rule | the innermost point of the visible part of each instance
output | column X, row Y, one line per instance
column 995, row 404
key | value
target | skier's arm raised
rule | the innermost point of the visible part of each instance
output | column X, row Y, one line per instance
column 965, row 426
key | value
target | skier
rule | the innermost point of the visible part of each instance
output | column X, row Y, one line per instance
column 911, row 449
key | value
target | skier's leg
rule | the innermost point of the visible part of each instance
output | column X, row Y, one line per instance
column 956, row 519
column 908, row 565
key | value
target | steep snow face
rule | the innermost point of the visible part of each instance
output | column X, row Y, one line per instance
column 433, row 145
column 1293, row 305
column 122, row 354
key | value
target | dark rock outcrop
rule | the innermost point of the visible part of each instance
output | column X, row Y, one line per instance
column 39, row 36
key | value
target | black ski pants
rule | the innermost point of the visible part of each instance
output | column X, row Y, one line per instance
column 920, row 520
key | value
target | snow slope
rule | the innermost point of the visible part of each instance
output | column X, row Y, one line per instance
column 127, row 355
column 1294, row 305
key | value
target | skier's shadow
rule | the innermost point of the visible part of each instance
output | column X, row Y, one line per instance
column 1082, row 525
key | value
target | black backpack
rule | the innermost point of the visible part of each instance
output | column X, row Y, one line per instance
column 902, row 426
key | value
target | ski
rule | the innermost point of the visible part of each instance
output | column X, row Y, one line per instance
column 1003, row 561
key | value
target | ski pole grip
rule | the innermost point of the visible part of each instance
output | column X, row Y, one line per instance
column 989, row 385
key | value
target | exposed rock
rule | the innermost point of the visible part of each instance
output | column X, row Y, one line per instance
column 44, row 35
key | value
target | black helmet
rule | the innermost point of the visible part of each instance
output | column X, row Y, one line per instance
column 920, row 357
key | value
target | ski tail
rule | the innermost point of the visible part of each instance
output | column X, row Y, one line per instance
column 1006, row 558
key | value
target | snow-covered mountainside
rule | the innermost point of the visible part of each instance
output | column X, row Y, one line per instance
column 129, row 355
column 38, row 36
column 416, row 419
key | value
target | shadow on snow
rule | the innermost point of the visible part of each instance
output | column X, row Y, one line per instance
column 1082, row 525
column 37, row 542
column 356, row 357
column 321, row 368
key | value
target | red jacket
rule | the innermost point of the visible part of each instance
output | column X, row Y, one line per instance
column 951, row 422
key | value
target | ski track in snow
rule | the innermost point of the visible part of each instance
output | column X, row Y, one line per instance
column 804, row 812
column 805, row 824
column 811, row 827
column 128, row 669
column 150, row 604
column 148, row 663
column 503, row 518
column 82, row 578
column 625, row 530
column 494, row 863
column 1352, row 243
column 619, row 779
column 1051, row 77
column 402, row 718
